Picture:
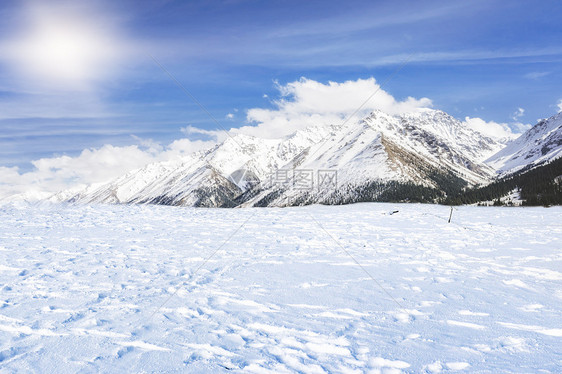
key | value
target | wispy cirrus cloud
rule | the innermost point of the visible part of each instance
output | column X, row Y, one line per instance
column 520, row 112
column 537, row 74
column 472, row 56
column 355, row 20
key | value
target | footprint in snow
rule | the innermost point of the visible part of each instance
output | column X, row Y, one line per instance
column 11, row 353
column 123, row 351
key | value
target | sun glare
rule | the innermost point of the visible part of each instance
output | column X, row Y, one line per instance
column 63, row 48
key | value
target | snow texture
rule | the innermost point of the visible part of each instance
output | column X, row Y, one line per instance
column 117, row 288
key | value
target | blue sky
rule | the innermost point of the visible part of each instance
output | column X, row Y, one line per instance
column 481, row 59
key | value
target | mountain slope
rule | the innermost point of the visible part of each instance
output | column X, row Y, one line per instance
column 204, row 178
column 429, row 149
column 539, row 144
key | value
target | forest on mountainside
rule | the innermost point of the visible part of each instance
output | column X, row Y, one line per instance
column 541, row 185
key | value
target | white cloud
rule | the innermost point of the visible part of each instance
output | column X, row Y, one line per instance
column 520, row 127
column 54, row 174
column 494, row 130
column 307, row 102
column 499, row 131
column 185, row 146
column 229, row 116
column 520, row 112
column 211, row 135
column 92, row 165
column 559, row 105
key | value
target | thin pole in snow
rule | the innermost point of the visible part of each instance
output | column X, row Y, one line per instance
column 450, row 215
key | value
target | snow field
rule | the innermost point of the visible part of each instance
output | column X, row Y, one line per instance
column 114, row 289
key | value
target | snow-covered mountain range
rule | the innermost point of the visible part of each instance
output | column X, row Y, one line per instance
column 423, row 154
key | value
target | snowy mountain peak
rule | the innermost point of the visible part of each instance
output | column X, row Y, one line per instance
column 540, row 144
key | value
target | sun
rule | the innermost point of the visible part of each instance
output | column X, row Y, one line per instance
column 63, row 48
column 62, row 52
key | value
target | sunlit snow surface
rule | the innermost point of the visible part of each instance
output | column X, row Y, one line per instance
column 81, row 289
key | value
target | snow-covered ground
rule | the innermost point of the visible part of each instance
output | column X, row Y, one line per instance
column 116, row 289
